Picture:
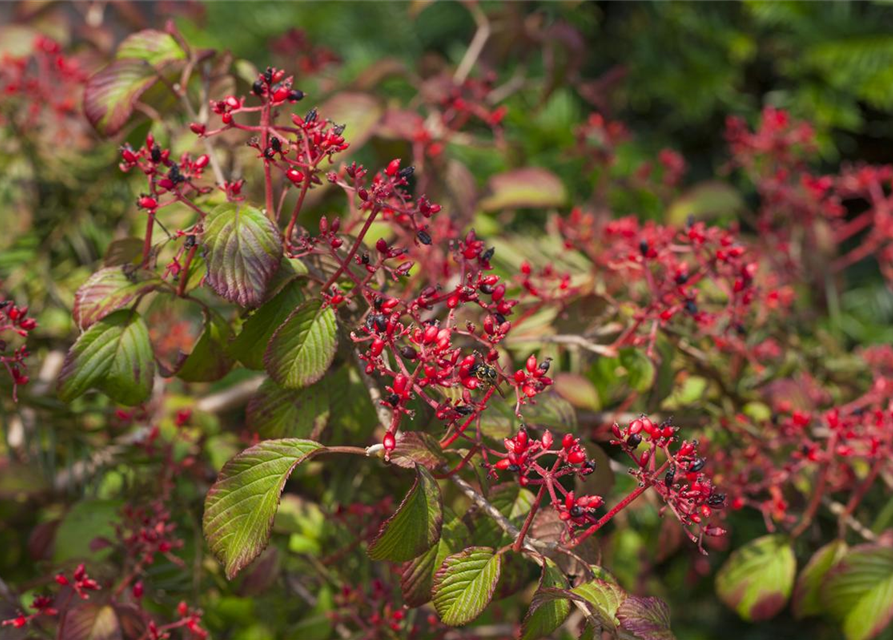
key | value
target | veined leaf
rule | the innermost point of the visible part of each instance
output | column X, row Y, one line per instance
column 416, row 525
column 111, row 92
column 209, row 360
column 757, row 579
column 240, row 507
column 546, row 613
column 110, row 289
column 243, row 252
column 417, row 447
column 806, row 599
column 417, row 575
column 276, row 412
column 859, row 591
column 605, row 598
column 115, row 356
column 258, row 330
column 152, row 46
column 90, row 621
column 302, row 349
column 645, row 618
column 464, row 584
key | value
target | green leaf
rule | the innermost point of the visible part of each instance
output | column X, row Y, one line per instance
column 302, row 348
column 605, row 598
column 276, row 412
column 550, row 411
column 859, row 591
column 258, row 330
column 530, row 187
column 464, row 584
column 546, row 613
column 360, row 112
column 806, row 601
column 416, row 525
column 209, row 360
column 241, row 505
column 115, row 356
column 243, row 252
column 418, row 447
column 757, row 579
column 706, row 200
column 645, row 618
column 640, row 369
column 417, row 575
column 110, row 289
column 111, row 93
column 85, row 521
column 512, row 501
column 89, row 621
column 152, row 46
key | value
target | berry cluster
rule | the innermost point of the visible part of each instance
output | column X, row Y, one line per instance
column 80, row 583
column 15, row 323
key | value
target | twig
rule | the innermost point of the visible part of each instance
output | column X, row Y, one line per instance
column 840, row 510
column 477, row 43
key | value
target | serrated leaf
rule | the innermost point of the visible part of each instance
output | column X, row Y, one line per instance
column 243, row 251
column 645, row 618
column 241, row 505
column 757, row 579
column 110, row 289
column 89, row 621
column 546, row 613
column 152, row 46
column 110, row 93
column 859, row 591
column 605, row 598
column 276, row 412
column 209, row 360
column 806, row 601
column 302, row 349
column 530, row 187
column 258, row 330
column 464, row 585
column 416, row 525
column 417, row 575
column 115, row 356
column 417, row 447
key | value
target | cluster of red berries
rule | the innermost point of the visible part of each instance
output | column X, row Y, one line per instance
column 14, row 321
column 661, row 273
column 190, row 620
column 165, row 175
column 680, row 481
column 49, row 81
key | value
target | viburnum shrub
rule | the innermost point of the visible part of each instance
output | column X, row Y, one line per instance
column 385, row 341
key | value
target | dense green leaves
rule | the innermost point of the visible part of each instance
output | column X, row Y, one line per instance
column 416, row 525
column 257, row 331
column 115, row 356
column 240, row 507
column 546, row 613
column 243, row 252
column 859, row 591
column 805, row 600
column 464, row 584
column 111, row 289
column 303, row 347
column 757, row 579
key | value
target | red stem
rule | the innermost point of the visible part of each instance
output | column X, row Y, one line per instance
column 353, row 250
column 519, row 543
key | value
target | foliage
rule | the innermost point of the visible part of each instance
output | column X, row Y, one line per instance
column 478, row 329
